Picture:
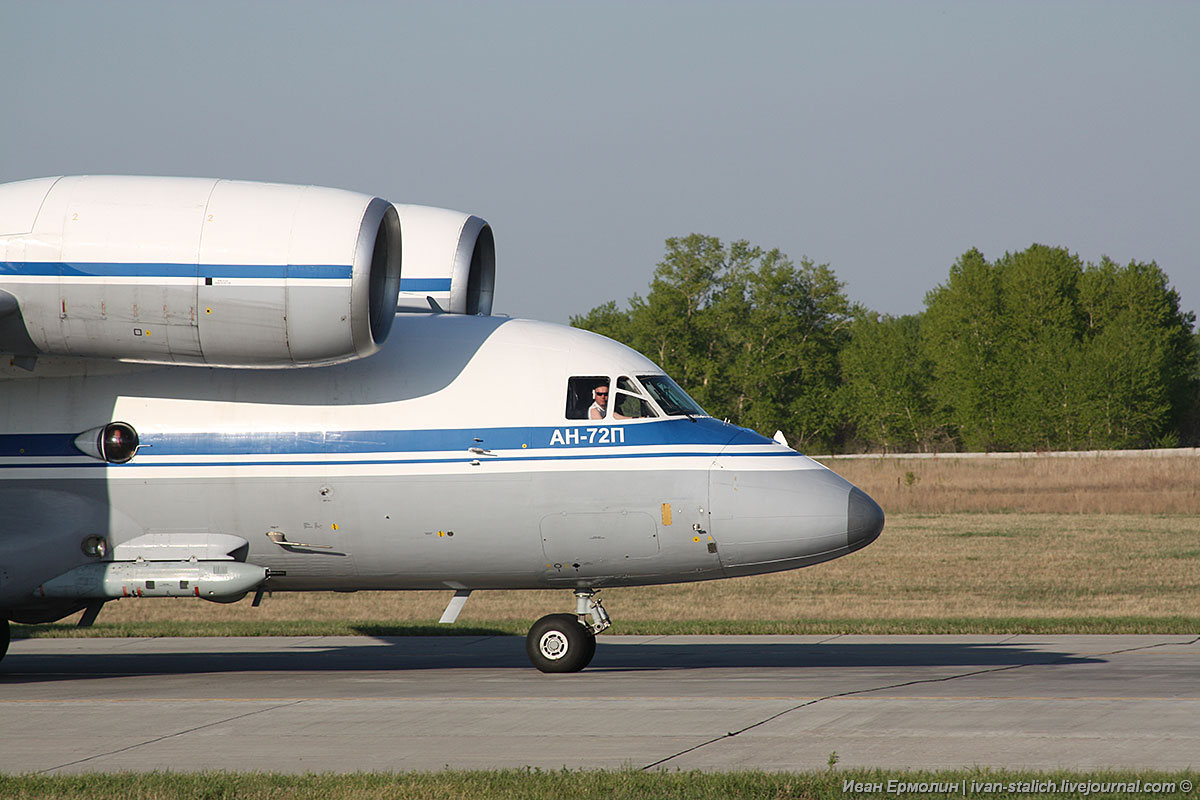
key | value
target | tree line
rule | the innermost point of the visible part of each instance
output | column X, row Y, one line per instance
column 1036, row 350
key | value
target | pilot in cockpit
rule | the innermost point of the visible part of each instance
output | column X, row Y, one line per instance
column 630, row 400
column 599, row 405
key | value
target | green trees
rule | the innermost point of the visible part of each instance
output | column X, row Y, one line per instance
column 1035, row 350
column 1138, row 364
column 962, row 334
column 886, row 386
column 751, row 335
column 1039, row 351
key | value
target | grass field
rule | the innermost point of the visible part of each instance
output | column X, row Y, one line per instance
column 936, row 568
column 1038, row 484
column 834, row 784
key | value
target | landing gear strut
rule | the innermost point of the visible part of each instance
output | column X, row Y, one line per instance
column 567, row 642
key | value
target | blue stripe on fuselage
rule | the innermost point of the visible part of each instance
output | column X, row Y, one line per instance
column 38, row 444
column 85, row 462
column 705, row 431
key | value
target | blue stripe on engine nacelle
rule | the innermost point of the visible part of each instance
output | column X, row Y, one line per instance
column 54, row 269
column 110, row 269
column 425, row 284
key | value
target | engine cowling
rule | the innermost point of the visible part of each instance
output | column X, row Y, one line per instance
column 448, row 256
column 196, row 271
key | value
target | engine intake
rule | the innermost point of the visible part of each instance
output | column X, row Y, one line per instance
column 448, row 256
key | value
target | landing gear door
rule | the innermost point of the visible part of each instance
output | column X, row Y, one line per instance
column 704, row 527
column 722, row 490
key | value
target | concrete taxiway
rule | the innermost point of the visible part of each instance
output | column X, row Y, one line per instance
column 689, row 702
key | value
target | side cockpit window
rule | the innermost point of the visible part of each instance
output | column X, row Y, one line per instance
column 599, row 397
column 630, row 401
column 587, row 397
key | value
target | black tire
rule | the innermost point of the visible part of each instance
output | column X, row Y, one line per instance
column 560, row 643
column 5, row 634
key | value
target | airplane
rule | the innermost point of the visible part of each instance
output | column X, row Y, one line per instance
column 214, row 388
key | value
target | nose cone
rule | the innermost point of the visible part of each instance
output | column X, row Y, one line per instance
column 787, row 516
column 864, row 519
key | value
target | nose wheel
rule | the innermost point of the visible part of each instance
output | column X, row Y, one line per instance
column 4, row 637
column 567, row 642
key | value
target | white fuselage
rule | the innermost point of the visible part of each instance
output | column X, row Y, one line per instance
column 444, row 461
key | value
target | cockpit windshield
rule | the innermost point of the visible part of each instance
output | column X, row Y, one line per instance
column 673, row 400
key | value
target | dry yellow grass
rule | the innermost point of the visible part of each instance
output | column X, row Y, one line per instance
column 947, row 565
column 1089, row 484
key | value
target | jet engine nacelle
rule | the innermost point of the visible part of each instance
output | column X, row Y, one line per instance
column 448, row 256
column 195, row 271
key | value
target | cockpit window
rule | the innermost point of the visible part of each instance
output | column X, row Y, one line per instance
column 673, row 400
column 581, row 397
column 599, row 397
column 630, row 401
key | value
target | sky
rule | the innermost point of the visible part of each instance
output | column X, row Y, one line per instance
column 884, row 139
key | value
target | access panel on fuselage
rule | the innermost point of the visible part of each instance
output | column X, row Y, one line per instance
column 468, row 527
column 590, row 539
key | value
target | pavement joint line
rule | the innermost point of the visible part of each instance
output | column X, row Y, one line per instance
column 944, row 679
column 166, row 736
column 302, row 643
column 651, row 640
column 133, row 641
column 481, row 640
column 1139, row 648
column 831, row 638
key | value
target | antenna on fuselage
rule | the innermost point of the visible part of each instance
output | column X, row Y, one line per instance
column 433, row 304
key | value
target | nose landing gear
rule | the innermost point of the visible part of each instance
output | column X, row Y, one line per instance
column 567, row 642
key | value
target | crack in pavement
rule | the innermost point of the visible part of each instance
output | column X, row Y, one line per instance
column 945, row 678
column 831, row 638
column 167, row 736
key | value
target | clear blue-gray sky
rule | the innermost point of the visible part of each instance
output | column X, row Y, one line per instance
column 882, row 138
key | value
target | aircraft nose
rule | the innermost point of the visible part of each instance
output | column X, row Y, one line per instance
column 785, row 517
column 864, row 519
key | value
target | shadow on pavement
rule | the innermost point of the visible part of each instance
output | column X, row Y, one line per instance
column 486, row 652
